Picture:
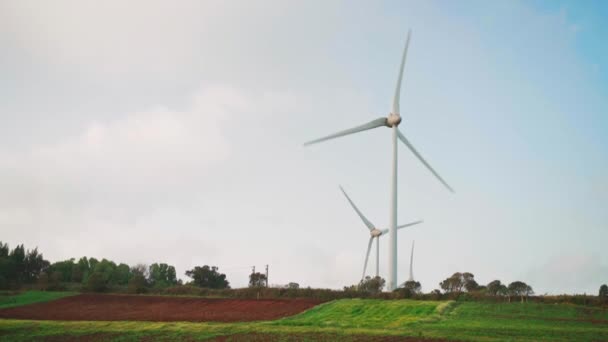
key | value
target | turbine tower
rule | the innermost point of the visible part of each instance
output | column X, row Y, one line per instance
column 374, row 233
column 412, row 263
column 392, row 121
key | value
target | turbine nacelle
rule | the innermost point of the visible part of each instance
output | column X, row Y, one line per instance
column 393, row 120
column 375, row 232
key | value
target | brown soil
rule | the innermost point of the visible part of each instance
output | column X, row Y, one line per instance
column 95, row 307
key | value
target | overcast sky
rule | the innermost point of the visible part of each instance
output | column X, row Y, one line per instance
column 150, row 131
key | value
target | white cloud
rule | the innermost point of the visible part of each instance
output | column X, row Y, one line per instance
column 118, row 170
column 143, row 147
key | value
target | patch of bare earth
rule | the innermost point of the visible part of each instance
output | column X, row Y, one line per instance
column 97, row 307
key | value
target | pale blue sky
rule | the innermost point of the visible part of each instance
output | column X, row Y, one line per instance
column 149, row 131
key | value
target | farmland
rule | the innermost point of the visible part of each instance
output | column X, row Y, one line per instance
column 348, row 319
column 96, row 307
column 8, row 300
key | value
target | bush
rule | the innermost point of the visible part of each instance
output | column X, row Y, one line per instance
column 403, row 292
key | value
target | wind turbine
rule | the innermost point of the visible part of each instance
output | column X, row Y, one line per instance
column 374, row 233
column 392, row 121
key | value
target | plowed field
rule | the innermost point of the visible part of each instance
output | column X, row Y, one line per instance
column 90, row 307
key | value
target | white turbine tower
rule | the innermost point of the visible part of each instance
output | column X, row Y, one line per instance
column 392, row 121
column 374, row 233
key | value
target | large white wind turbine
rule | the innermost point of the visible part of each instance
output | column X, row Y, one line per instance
column 392, row 121
column 374, row 233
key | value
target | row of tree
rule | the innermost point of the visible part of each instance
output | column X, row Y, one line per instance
column 20, row 267
column 456, row 283
column 461, row 282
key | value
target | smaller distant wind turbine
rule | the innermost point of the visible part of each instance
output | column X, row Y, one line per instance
column 374, row 233
column 412, row 263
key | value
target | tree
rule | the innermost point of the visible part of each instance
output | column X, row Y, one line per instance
column 4, row 250
column 77, row 274
column 293, row 286
column 519, row 288
column 493, row 287
column 459, row 281
column 107, row 269
column 17, row 261
column 137, row 284
column 162, row 275
column 208, row 277
column 408, row 289
column 372, row 285
column 65, row 268
column 469, row 282
column 82, row 270
column 603, row 294
column 257, row 279
column 503, row 291
column 141, row 269
column 19, row 266
column 121, row 274
column 471, row 285
column 34, row 265
column 436, row 294
column 453, row 283
column 92, row 264
column 54, row 283
column 96, row 282
column 413, row 286
column 43, row 281
column 5, row 266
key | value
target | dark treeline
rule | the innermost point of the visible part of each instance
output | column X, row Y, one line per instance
column 19, row 266
column 27, row 269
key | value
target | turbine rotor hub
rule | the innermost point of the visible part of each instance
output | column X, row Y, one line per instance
column 375, row 232
column 393, row 120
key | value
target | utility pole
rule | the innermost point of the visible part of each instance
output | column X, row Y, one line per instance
column 266, row 275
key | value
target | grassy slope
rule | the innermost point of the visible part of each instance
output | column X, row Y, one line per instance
column 464, row 321
column 8, row 301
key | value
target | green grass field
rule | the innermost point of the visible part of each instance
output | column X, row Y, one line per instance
column 357, row 319
column 8, row 299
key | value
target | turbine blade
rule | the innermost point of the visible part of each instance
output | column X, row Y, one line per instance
column 379, row 122
column 369, row 247
column 411, row 147
column 409, row 224
column 398, row 87
column 412, row 263
column 384, row 231
column 369, row 225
